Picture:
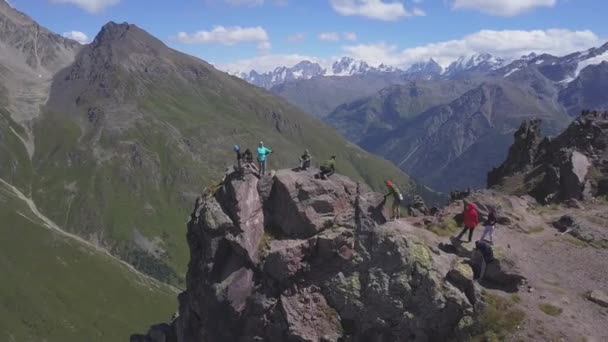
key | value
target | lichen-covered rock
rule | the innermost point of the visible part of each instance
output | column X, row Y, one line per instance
column 326, row 267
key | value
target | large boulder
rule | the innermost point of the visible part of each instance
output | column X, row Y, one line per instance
column 302, row 206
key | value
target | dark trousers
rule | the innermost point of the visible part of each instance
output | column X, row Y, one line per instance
column 464, row 230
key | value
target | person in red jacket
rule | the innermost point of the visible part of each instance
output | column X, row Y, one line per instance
column 471, row 220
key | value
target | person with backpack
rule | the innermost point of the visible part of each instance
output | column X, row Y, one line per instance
column 489, row 226
column 471, row 220
column 239, row 157
column 263, row 152
column 327, row 169
column 305, row 160
column 397, row 198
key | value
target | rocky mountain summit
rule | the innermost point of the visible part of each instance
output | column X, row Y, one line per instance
column 574, row 165
column 292, row 258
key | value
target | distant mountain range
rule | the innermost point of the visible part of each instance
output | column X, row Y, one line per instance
column 449, row 126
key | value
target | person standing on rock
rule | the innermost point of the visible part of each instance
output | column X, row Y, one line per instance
column 263, row 152
column 471, row 220
column 489, row 226
column 328, row 168
column 397, row 198
column 239, row 157
column 305, row 160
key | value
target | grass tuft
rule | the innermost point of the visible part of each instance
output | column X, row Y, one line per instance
column 550, row 309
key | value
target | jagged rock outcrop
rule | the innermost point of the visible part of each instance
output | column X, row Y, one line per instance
column 293, row 258
column 574, row 165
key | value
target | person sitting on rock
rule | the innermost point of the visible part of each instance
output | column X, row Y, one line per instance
column 471, row 220
column 328, row 168
column 484, row 247
column 397, row 198
column 263, row 152
column 489, row 226
column 305, row 160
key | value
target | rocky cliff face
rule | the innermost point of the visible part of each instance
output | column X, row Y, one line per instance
column 571, row 166
column 292, row 258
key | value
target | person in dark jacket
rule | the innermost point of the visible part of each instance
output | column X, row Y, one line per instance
column 471, row 220
column 489, row 226
column 487, row 256
column 305, row 160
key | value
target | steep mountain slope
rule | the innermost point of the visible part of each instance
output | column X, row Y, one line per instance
column 587, row 91
column 392, row 106
column 56, row 288
column 131, row 133
column 453, row 145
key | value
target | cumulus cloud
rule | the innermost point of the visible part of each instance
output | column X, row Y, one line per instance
column 267, row 62
column 227, row 36
column 507, row 44
column 505, row 8
column 374, row 9
column 91, row 6
column 296, row 37
column 78, row 36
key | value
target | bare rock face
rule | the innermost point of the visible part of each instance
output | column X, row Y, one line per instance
column 310, row 260
column 571, row 166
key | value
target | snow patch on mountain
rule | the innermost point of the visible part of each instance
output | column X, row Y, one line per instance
column 591, row 61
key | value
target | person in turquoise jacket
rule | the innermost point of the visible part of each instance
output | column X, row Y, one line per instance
column 263, row 152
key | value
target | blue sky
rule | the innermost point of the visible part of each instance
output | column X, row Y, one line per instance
column 261, row 34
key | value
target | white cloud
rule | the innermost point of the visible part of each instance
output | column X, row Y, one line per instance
column 418, row 12
column 336, row 36
column 350, row 36
column 329, row 36
column 507, row 44
column 91, row 6
column 296, row 37
column 374, row 9
column 245, row 2
column 505, row 8
column 267, row 62
column 78, row 36
column 227, row 36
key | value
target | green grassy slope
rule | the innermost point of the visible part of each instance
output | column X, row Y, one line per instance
column 55, row 288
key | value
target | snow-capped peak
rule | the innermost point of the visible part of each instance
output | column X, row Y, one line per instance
column 482, row 62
